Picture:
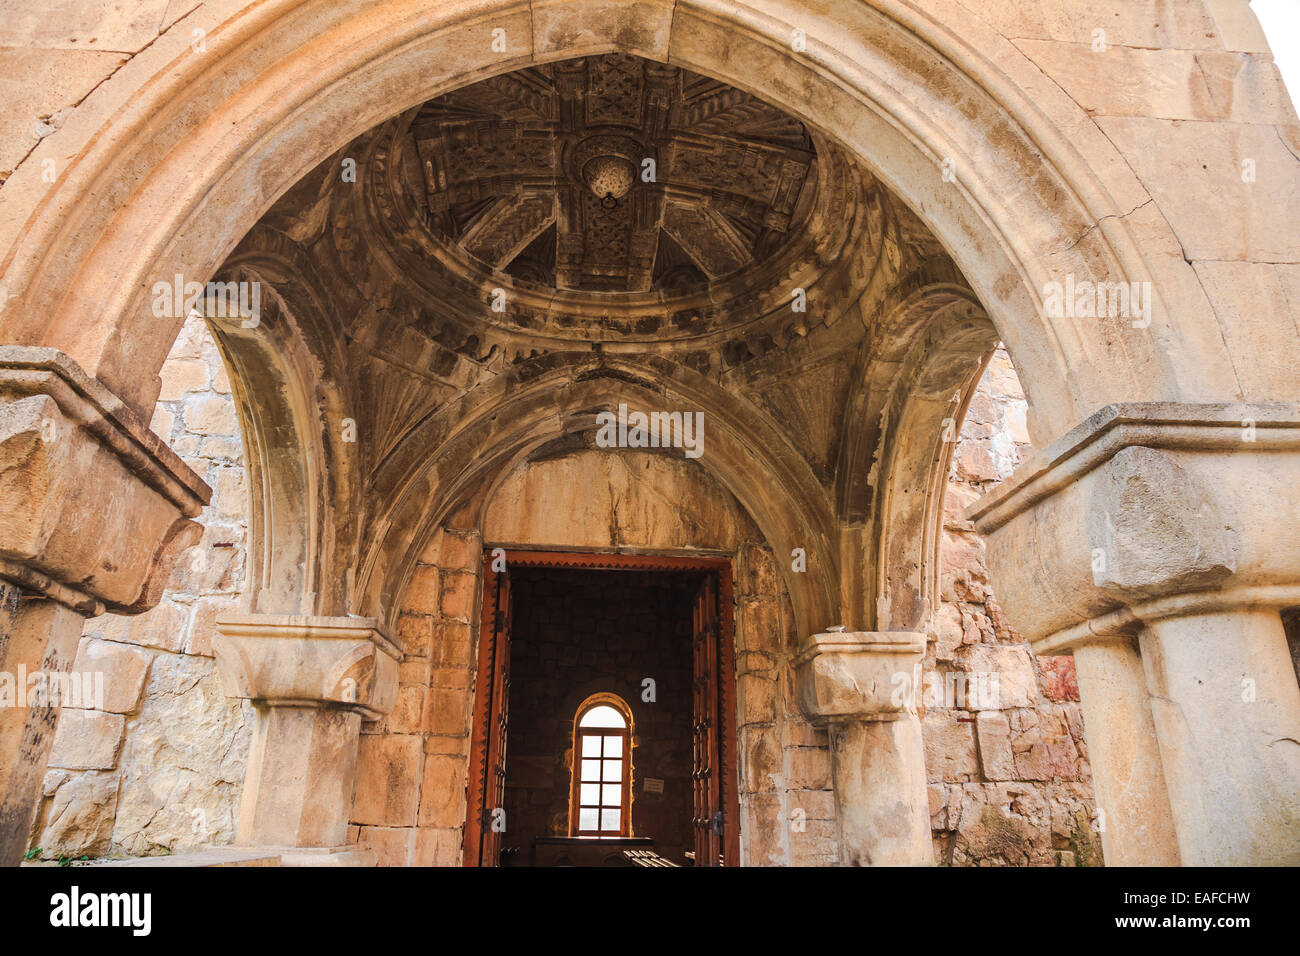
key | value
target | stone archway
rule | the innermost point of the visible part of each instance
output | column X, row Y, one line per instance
column 176, row 157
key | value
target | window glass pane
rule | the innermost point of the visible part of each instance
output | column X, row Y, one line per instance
column 590, row 795
column 613, row 746
column 587, row 819
column 590, row 770
column 612, row 795
column 591, row 746
column 613, row 770
column 602, row 715
column 609, row 819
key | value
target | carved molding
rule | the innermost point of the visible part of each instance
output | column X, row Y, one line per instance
column 858, row 675
column 94, row 508
column 299, row 660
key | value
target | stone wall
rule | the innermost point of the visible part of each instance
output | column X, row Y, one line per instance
column 1006, row 760
column 159, row 766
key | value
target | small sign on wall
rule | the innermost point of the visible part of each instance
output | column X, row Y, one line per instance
column 654, row 785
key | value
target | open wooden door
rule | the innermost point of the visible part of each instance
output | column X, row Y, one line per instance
column 717, row 805
column 485, row 795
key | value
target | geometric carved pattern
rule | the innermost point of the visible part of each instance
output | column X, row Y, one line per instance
column 506, row 166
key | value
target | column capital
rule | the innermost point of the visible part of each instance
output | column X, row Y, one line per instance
column 855, row 675
column 303, row 660
column 1147, row 511
column 94, row 507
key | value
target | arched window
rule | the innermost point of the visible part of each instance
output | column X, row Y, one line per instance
column 602, row 768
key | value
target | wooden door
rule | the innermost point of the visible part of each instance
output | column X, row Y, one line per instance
column 716, row 800
column 485, row 797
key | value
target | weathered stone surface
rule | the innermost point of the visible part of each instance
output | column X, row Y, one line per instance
column 994, row 736
column 78, row 820
column 183, row 763
column 388, row 780
column 1164, row 108
column 87, row 740
column 124, row 669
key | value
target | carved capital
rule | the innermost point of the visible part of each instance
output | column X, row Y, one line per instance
column 858, row 675
column 1145, row 512
column 94, row 508
column 280, row 659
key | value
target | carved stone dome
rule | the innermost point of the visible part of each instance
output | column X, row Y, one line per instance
column 615, row 198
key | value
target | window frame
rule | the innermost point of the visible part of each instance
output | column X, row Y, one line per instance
column 625, row 784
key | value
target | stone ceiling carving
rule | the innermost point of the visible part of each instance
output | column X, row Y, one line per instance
column 615, row 199
column 613, row 173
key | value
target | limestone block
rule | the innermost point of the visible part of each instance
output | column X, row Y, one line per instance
column 994, row 735
column 757, row 698
column 442, row 792
column 938, row 797
column 124, row 669
column 458, row 596
column 447, row 711
column 388, row 780
column 407, row 715
column 87, row 740
column 163, row 628
column 437, row 847
column 1238, row 291
column 1191, row 167
column 421, row 595
column 765, row 825
column 810, row 768
column 452, row 644
column 759, row 626
column 949, row 746
column 67, row 24
column 1043, row 747
column 1009, row 668
column 1237, row 25
column 572, row 27
column 392, row 846
column 760, row 760
column 183, row 762
column 1060, row 681
column 1157, row 528
column 179, row 376
column 212, row 415
column 79, row 816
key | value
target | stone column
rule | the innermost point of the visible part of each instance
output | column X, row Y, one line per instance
column 1156, row 542
column 1227, row 711
column 1137, row 827
column 862, row 687
column 312, row 680
column 94, row 511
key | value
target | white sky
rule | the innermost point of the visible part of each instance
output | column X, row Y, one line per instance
column 1281, row 20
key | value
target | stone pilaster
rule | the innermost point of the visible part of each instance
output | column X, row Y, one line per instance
column 1156, row 542
column 861, row 686
column 312, row 680
column 94, row 511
